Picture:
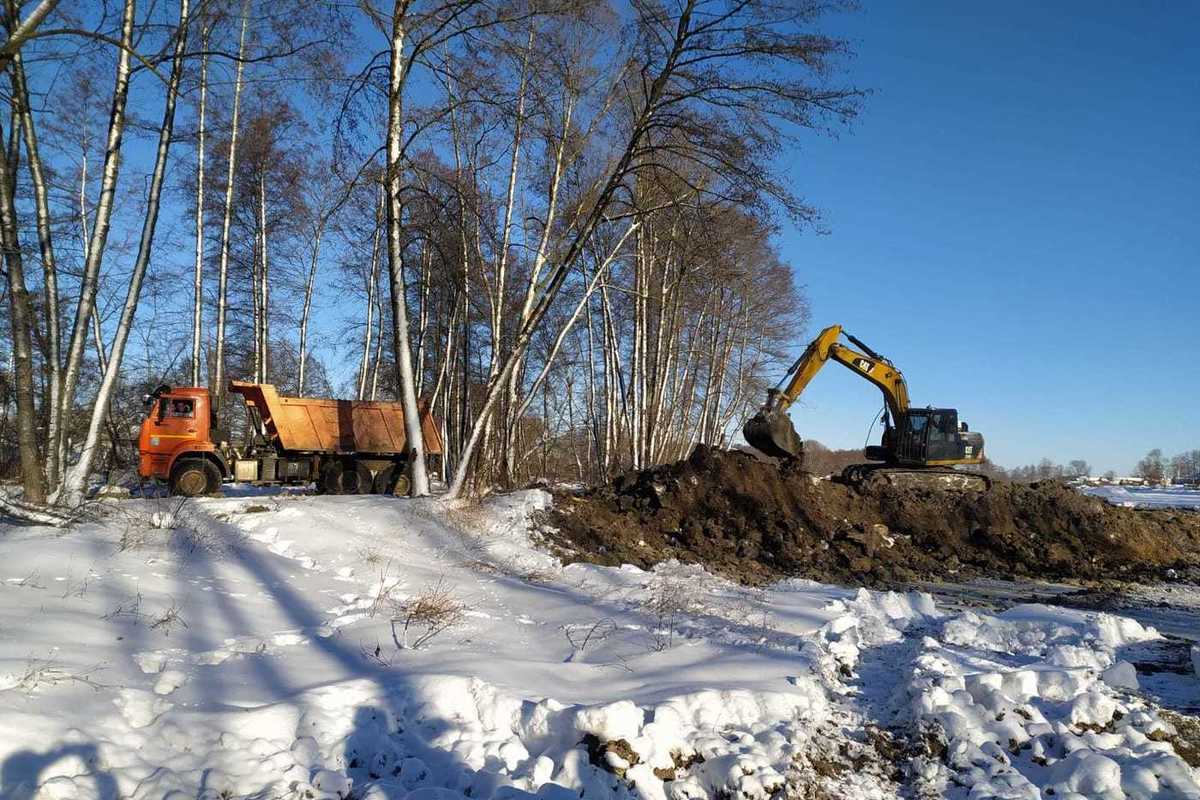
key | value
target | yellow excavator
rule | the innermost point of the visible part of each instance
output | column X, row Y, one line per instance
column 920, row 446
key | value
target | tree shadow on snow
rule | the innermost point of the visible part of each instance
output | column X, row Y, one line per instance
column 21, row 773
column 380, row 748
column 387, row 748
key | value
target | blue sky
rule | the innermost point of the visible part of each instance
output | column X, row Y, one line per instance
column 1014, row 219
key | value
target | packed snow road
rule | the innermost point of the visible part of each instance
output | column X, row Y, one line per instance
column 368, row 647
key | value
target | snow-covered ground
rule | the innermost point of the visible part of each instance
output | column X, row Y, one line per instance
column 257, row 647
column 1142, row 497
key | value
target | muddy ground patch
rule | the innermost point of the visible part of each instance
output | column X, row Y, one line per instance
column 753, row 521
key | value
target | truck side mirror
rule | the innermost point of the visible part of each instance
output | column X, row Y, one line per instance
column 962, row 426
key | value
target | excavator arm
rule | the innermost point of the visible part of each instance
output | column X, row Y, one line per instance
column 771, row 432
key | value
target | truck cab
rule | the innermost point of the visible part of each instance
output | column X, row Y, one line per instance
column 347, row 446
column 175, row 442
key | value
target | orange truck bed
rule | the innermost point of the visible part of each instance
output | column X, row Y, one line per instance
column 324, row 425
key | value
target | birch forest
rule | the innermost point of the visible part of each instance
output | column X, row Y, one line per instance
column 551, row 222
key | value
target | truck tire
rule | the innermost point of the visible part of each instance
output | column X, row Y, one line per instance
column 384, row 480
column 365, row 481
column 392, row 480
column 194, row 477
column 337, row 479
column 346, row 477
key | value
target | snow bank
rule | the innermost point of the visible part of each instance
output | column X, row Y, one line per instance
column 1036, row 702
column 1176, row 497
column 245, row 647
column 470, row 738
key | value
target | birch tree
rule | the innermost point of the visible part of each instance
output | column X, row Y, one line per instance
column 575, row 234
column 324, row 202
column 97, row 241
column 398, row 74
column 198, row 273
column 24, row 118
column 691, row 95
column 22, row 32
column 77, row 476
column 21, row 321
column 218, row 381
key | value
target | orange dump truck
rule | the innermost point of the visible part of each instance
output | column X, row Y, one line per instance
column 346, row 446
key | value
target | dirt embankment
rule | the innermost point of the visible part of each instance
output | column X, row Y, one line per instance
column 753, row 521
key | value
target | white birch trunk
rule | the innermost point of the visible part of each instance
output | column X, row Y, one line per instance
column 97, row 332
column 25, row 30
column 21, row 321
column 502, row 265
column 49, row 265
column 264, row 275
column 73, row 488
column 99, row 237
column 198, row 274
column 308, row 293
column 218, row 383
column 372, row 285
column 592, row 405
column 423, row 316
column 256, row 302
column 395, row 253
column 378, row 348
column 567, row 326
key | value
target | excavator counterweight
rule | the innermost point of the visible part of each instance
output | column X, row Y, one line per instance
column 920, row 446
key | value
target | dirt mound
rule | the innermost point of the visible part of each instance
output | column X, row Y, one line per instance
column 754, row 521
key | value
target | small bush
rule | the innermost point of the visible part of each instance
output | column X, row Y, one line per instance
column 425, row 616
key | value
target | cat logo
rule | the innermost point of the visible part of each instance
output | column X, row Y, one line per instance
column 863, row 364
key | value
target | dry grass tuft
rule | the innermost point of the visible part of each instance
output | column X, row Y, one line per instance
column 426, row 615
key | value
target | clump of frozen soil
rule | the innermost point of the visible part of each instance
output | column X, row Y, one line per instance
column 755, row 522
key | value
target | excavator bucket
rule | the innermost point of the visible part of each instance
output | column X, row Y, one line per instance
column 771, row 433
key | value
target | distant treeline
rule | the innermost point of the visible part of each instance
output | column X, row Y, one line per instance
column 1154, row 468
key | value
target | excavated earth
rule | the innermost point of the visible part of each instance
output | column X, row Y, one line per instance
column 754, row 521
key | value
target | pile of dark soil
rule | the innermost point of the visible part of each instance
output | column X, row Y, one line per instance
column 754, row 521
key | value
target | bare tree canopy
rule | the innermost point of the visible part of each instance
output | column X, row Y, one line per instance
column 549, row 224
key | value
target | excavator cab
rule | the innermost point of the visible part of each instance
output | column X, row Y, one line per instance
column 927, row 437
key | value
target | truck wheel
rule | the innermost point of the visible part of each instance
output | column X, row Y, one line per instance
column 383, row 481
column 194, row 478
column 365, row 481
column 340, row 478
column 331, row 477
column 402, row 486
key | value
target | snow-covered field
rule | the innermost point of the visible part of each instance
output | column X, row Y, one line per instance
column 257, row 647
column 1141, row 497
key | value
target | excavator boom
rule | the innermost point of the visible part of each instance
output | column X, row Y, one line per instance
column 771, row 432
column 916, row 442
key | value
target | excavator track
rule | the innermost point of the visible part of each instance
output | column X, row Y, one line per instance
column 876, row 476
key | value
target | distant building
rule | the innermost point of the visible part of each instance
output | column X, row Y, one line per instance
column 1130, row 480
column 1117, row 480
